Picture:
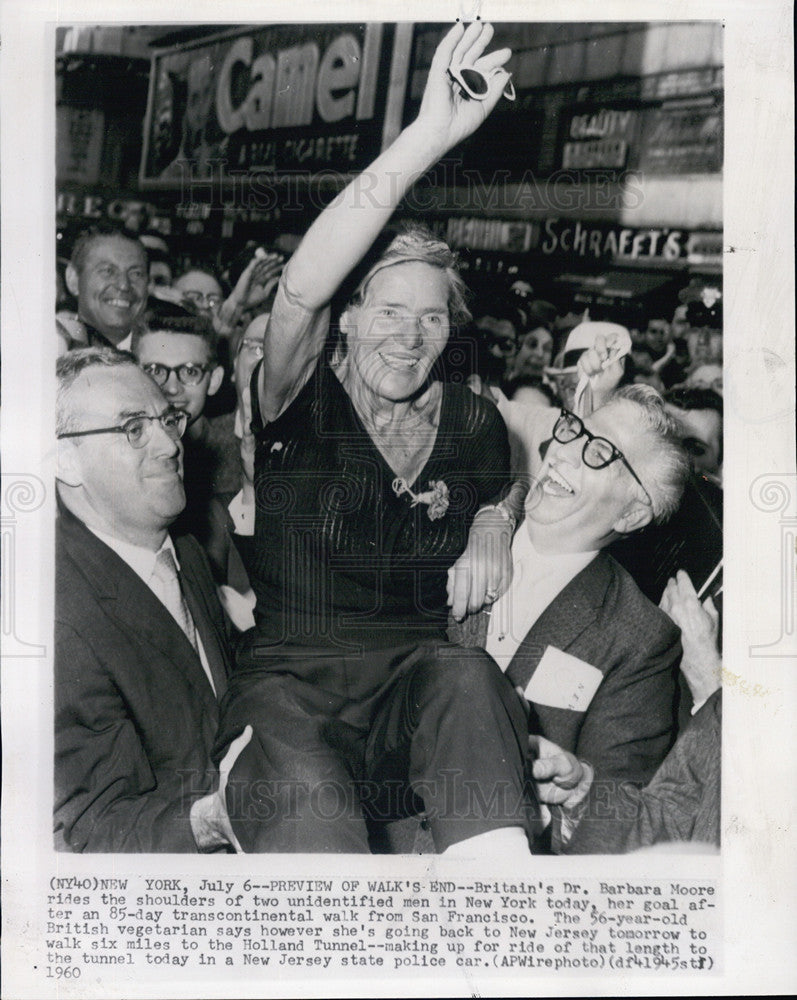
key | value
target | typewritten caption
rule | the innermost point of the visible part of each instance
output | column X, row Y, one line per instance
column 113, row 926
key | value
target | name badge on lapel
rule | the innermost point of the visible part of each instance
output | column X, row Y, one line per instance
column 563, row 681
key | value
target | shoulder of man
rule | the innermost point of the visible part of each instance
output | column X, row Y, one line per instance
column 635, row 614
column 193, row 559
column 79, row 555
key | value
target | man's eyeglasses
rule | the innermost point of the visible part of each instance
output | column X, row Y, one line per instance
column 188, row 374
column 209, row 300
column 475, row 84
column 139, row 429
column 598, row 452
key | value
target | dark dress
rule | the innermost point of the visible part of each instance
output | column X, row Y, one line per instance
column 347, row 676
column 339, row 559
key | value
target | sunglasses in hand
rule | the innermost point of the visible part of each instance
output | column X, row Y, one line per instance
column 475, row 84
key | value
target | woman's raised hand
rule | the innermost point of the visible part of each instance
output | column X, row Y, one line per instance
column 448, row 114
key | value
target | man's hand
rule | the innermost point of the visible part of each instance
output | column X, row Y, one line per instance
column 447, row 115
column 699, row 625
column 210, row 822
column 255, row 284
column 484, row 570
column 561, row 778
column 603, row 365
column 259, row 278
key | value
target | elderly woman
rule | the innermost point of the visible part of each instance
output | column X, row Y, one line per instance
column 369, row 475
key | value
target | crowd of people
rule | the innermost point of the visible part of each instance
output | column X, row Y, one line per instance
column 349, row 560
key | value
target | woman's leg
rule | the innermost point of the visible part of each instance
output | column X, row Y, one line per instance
column 453, row 727
column 289, row 790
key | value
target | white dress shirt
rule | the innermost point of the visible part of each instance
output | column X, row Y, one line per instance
column 142, row 562
column 537, row 579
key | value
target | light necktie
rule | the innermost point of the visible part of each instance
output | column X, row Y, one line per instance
column 166, row 585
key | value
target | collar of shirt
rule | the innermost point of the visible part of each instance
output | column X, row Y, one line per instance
column 96, row 339
column 544, row 565
column 538, row 578
column 139, row 559
column 142, row 562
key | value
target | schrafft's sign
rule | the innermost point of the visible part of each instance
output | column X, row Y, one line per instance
column 606, row 241
column 595, row 241
column 274, row 100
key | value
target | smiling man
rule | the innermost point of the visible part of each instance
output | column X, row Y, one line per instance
column 140, row 649
column 107, row 274
column 595, row 660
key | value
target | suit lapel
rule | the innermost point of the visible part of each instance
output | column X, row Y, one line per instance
column 207, row 624
column 128, row 599
column 572, row 611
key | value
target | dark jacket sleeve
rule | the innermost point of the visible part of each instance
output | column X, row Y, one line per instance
column 107, row 795
column 630, row 723
column 681, row 802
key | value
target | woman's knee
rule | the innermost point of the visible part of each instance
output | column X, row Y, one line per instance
column 458, row 672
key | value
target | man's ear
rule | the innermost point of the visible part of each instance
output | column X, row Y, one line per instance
column 636, row 516
column 216, row 377
column 72, row 279
column 67, row 463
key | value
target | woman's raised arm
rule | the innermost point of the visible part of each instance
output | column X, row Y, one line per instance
column 344, row 231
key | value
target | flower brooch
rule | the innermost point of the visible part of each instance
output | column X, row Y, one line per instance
column 436, row 498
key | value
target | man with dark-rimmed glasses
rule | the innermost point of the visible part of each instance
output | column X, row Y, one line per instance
column 597, row 452
column 140, row 651
column 594, row 660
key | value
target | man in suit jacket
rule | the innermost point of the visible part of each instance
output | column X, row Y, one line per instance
column 682, row 801
column 595, row 660
column 140, row 651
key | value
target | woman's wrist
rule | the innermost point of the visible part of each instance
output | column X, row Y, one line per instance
column 498, row 515
column 425, row 142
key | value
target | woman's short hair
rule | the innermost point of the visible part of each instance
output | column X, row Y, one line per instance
column 418, row 243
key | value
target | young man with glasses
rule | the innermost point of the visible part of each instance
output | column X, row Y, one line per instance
column 595, row 661
column 141, row 659
column 177, row 349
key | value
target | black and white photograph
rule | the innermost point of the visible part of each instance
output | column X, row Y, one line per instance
column 413, row 389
